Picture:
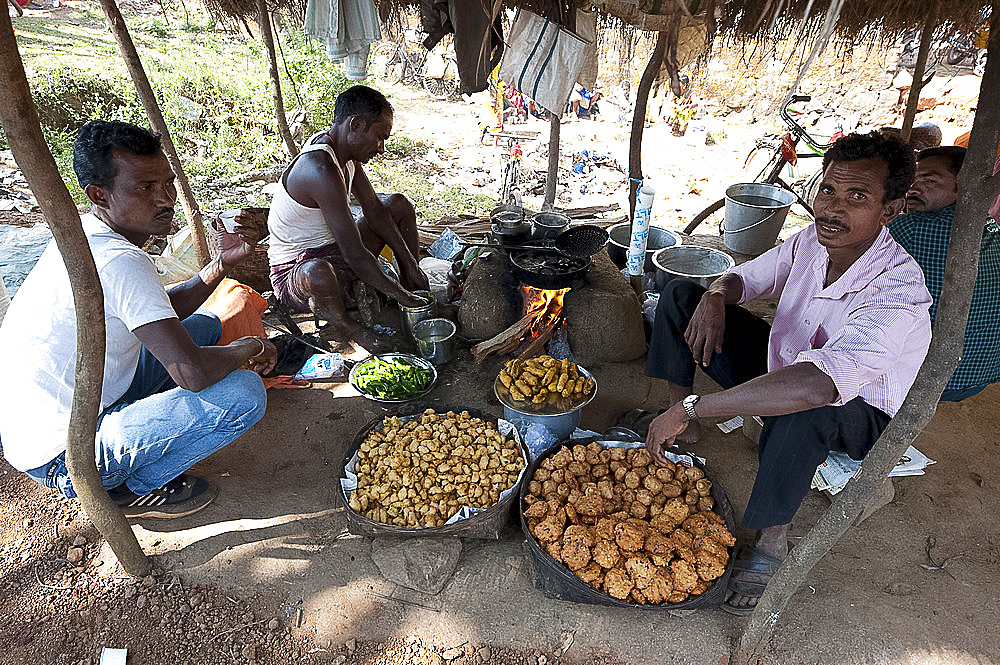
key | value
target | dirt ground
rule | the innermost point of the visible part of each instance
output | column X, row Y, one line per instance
column 917, row 583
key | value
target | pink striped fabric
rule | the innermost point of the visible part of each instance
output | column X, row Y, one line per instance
column 869, row 331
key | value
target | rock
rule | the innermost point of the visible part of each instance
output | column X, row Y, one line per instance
column 452, row 653
column 196, row 600
column 603, row 318
column 351, row 645
column 485, row 653
column 79, row 541
column 141, row 601
column 74, row 555
column 423, row 565
column 339, row 660
column 148, row 581
column 273, row 625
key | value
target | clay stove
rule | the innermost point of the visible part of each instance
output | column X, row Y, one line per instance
column 599, row 312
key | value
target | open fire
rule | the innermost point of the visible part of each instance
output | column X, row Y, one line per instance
column 527, row 338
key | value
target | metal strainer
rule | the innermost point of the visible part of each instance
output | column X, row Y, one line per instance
column 582, row 241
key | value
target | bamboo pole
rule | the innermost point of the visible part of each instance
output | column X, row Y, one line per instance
column 638, row 124
column 20, row 124
column 127, row 48
column 264, row 25
column 977, row 188
column 918, row 74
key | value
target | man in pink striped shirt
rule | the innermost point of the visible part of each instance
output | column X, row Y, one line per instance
column 850, row 332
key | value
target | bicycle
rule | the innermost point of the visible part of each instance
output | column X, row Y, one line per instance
column 412, row 64
column 513, row 174
column 783, row 152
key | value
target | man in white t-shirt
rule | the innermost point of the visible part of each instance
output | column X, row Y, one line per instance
column 170, row 397
column 317, row 250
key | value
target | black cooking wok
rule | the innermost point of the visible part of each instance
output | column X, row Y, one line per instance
column 545, row 270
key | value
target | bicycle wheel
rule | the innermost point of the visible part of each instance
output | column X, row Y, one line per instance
column 445, row 86
column 714, row 213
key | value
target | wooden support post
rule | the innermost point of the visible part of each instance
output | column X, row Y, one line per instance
column 264, row 24
column 638, row 124
column 127, row 48
column 977, row 188
column 552, row 176
column 918, row 74
column 20, row 124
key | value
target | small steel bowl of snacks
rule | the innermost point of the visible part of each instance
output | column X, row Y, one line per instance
column 433, row 470
column 544, row 391
column 393, row 378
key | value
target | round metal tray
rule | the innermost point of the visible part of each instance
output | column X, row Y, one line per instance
column 559, row 408
column 408, row 357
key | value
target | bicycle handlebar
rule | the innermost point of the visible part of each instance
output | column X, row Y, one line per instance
column 796, row 127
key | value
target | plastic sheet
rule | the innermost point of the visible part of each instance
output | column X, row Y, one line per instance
column 640, row 231
column 20, row 247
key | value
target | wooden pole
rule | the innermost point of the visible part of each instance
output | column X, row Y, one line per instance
column 127, row 48
column 20, row 124
column 552, row 176
column 638, row 124
column 264, row 24
column 977, row 188
column 918, row 74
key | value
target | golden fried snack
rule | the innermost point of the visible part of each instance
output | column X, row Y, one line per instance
column 664, row 475
column 571, row 514
column 591, row 505
column 685, row 553
column 579, row 453
column 539, row 509
column 657, row 543
column 672, row 489
column 607, row 554
column 659, row 588
column 618, row 584
column 606, row 528
column 578, row 533
column 696, row 524
column 628, row 537
column 701, row 587
column 694, row 474
column 720, row 533
column 575, row 554
column 674, row 512
column 549, row 530
column 706, row 503
column 709, row 566
column 661, row 560
column 683, row 575
column 617, row 454
column 640, row 569
column 590, row 573
column 554, row 550
column 714, row 517
column 676, row 596
column 681, row 538
column 705, row 544
column 638, row 510
column 557, row 476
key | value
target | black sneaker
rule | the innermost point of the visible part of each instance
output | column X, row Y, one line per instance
column 181, row 496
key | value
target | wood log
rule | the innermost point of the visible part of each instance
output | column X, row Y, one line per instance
column 536, row 344
column 505, row 341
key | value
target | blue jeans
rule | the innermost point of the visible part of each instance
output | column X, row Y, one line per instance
column 157, row 431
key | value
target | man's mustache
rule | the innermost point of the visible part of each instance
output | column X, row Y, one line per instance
column 166, row 212
column 827, row 221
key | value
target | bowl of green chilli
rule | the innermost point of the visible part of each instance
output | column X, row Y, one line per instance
column 393, row 377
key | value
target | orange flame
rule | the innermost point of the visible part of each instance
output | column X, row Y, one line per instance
column 545, row 305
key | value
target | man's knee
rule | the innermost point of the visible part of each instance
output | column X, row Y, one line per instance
column 400, row 207
column 317, row 277
column 204, row 327
column 679, row 299
column 247, row 395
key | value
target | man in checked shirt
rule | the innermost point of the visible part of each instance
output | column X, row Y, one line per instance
column 924, row 232
column 850, row 331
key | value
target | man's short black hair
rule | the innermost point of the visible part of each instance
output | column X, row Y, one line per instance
column 896, row 154
column 954, row 154
column 95, row 142
column 360, row 100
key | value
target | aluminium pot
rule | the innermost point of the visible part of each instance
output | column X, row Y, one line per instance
column 699, row 264
column 619, row 236
column 548, row 225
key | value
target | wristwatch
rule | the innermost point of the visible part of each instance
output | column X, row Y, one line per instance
column 688, row 405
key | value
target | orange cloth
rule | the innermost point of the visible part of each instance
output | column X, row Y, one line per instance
column 240, row 309
column 963, row 141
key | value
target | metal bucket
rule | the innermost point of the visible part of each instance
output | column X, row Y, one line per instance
column 619, row 236
column 560, row 426
column 755, row 213
column 547, row 225
column 435, row 339
column 701, row 264
column 412, row 315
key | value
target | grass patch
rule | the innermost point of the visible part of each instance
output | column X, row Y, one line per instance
column 431, row 205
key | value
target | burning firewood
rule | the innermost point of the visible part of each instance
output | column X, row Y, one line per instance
column 506, row 341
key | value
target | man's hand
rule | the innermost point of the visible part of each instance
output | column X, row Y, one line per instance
column 407, row 299
column 237, row 246
column 415, row 279
column 705, row 330
column 264, row 362
column 663, row 430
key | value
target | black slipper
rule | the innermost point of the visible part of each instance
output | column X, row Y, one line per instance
column 750, row 560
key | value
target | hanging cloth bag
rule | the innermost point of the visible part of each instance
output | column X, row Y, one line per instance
column 543, row 60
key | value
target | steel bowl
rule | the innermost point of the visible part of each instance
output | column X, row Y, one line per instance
column 503, row 394
column 408, row 357
column 619, row 237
